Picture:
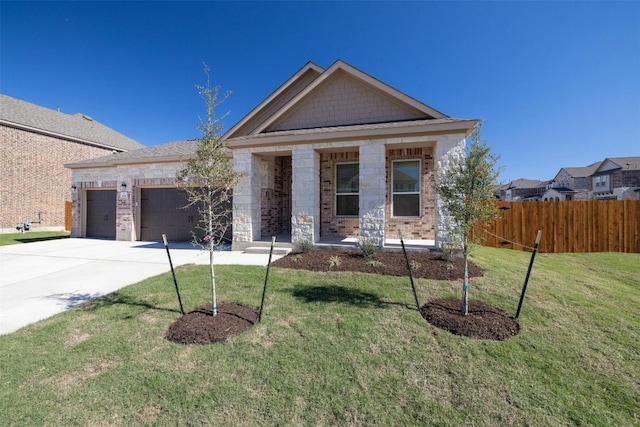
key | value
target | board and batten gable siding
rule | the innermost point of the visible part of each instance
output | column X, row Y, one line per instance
column 344, row 101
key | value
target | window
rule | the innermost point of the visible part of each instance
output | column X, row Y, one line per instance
column 600, row 183
column 347, row 187
column 406, row 188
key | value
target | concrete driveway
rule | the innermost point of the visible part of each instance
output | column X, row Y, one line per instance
column 40, row 279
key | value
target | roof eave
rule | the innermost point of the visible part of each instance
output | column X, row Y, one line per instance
column 59, row 135
column 347, row 133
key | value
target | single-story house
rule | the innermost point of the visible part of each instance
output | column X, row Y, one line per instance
column 331, row 154
column 35, row 144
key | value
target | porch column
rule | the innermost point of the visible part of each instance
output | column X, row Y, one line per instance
column 372, row 192
column 246, row 199
column 305, row 195
column 448, row 152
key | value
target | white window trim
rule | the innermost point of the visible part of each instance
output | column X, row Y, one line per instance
column 419, row 192
column 336, row 194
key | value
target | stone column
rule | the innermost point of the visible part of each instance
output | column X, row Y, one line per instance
column 305, row 195
column 372, row 192
column 246, row 199
column 447, row 152
column 76, row 213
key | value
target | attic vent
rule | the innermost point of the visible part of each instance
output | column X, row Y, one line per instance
column 87, row 118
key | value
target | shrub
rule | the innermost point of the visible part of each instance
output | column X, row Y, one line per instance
column 374, row 263
column 335, row 261
column 367, row 247
column 303, row 246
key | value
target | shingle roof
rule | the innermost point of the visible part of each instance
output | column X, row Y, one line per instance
column 172, row 151
column 77, row 127
column 584, row 171
column 626, row 163
column 524, row 183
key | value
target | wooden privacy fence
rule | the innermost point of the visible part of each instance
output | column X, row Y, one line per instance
column 575, row 226
column 67, row 216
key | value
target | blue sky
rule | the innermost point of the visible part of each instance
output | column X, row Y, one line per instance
column 556, row 83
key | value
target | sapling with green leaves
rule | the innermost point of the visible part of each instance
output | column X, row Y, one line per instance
column 208, row 179
column 466, row 188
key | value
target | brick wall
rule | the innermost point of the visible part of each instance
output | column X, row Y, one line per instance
column 276, row 200
column 412, row 228
column 34, row 178
column 330, row 224
column 422, row 227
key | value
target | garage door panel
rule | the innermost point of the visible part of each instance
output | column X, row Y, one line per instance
column 101, row 214
column 163, row 212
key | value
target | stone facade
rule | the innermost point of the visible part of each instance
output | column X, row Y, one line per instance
column 581, row 185
column 135, row 177
column 448, row 153
column 34, row 179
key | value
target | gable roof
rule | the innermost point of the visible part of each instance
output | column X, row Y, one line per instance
column 305, row 102
column 522, row 183
column 621, row 163
column 581, row 172
column 74, row 127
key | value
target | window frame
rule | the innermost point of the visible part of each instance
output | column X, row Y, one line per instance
column 394, row 193
column 337, row 194
column 601, row 183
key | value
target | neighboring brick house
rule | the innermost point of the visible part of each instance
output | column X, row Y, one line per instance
column 36, row 142
column 574, row 179
column 331, row 154
column 617, row 178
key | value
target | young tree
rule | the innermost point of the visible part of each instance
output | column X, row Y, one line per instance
column 208, row 179
column 466, row 188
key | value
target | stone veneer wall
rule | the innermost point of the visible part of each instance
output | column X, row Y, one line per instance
column 415, row 228
column 159, row 175
column 449, row 151
column 330, row 224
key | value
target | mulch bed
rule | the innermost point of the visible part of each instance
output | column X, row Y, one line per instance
column 482, row 322
column 201, row 327
column 425, row 265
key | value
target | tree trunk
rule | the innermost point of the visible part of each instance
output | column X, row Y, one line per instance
column 214, row 307
column 464, row 306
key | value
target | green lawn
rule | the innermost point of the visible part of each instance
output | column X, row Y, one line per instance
column 31, row 236
column 341, row 349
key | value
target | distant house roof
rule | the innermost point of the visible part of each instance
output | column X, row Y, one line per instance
column 524, row 183
column 562, row 190
column 582, row 172
column 169, row 152
column 624, row 163
column 76, row 127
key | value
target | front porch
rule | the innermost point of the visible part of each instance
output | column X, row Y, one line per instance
column 283, row 241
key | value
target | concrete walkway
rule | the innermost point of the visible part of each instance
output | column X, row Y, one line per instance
column 40, row 279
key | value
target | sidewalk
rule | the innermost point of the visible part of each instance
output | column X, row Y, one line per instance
column 40, row 279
